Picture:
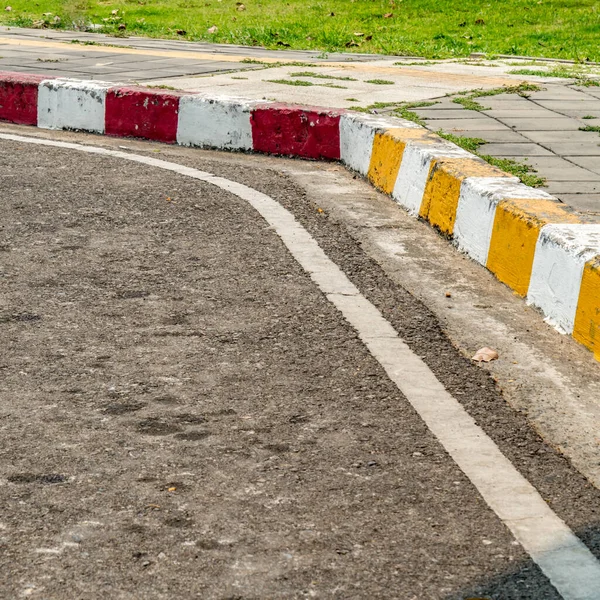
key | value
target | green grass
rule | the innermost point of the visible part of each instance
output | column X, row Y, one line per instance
column 576, row 72
column 468, row 103
column 428, row 28
column 320, row 76
column 589, row 117
column 526, row 173
column 304, row 83
column 595, row 128
column 298, row 82
column 466, row 143
column 379, row 81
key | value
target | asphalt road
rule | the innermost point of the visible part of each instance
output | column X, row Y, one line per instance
column 184, row 414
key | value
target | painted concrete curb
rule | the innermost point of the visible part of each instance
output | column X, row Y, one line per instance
column 530, row 241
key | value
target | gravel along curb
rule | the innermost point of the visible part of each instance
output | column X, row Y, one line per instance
column 532, row 242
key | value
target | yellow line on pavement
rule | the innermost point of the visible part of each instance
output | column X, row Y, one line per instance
column 466, row 80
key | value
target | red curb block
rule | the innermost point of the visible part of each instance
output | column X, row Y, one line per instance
column 19, row 97
column 296, row 131
column 135, row 112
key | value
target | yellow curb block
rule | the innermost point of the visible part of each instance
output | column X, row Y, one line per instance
column 517, row 226
column 587, row 318
column 442, row 191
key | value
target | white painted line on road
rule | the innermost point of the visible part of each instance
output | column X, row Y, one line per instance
column 562, row 557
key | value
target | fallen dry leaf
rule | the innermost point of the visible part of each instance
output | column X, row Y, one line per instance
column 8, row 8
column 485, row 355
column 212, row 29
column 388, row 15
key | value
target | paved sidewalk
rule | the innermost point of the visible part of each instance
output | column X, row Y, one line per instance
column 543, row 130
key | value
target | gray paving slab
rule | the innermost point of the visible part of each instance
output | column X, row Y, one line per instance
column 587, row 162
column 568, row 187
column 544, row 137
column 456, row 113
column 588, row 203
column 547, row 124
column 502, row 135
column 514, row 150
column 574, row 148
column 579, row 113
column 556, row 92
column 591, row 91
column 571, row 104
column 560, row 169
column 481, row 123
column 529, row 112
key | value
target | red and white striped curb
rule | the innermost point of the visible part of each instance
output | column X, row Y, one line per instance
column 528, row 239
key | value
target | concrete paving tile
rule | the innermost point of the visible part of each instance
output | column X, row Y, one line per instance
column 576, row 113
column 557, row 92
column 557, row 123
column 456, row 113
column 476, row 124
column 544, row 137
column 514, row 150
column 562, row 105
column 591, row 91
column 558, row 169
column 574, row 148
column 502, row 135
column 566, row 187
column 531, row 112
column 582, row 202
column 587, row 162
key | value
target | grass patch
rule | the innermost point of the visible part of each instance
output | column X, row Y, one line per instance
column 320, row 76
column 589, row 82
column 522, row 89
column 589, row 117
column 467, row 98
column 466, row 143
column 468, row 103
column 380, row 81
column 526, row 173
column 595, row 128
column 428, row 28
column 304, row 83
column 405, row 111
column 581, row 76
column 298, row 82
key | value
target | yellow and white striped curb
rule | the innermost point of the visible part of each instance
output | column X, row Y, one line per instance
column 532, row 242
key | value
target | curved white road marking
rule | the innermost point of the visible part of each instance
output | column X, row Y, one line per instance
column 563, row 558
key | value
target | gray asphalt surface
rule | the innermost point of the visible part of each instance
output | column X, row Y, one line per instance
column 184, row 414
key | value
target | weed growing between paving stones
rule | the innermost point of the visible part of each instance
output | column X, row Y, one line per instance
column 595, row 128
column 320, row 76
column 469, row 104
column 380, row 81
column 440, row 29
column 526, row 173
column 467, row 99
column 583, row 78
column 467, row 143
column 400, row 109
